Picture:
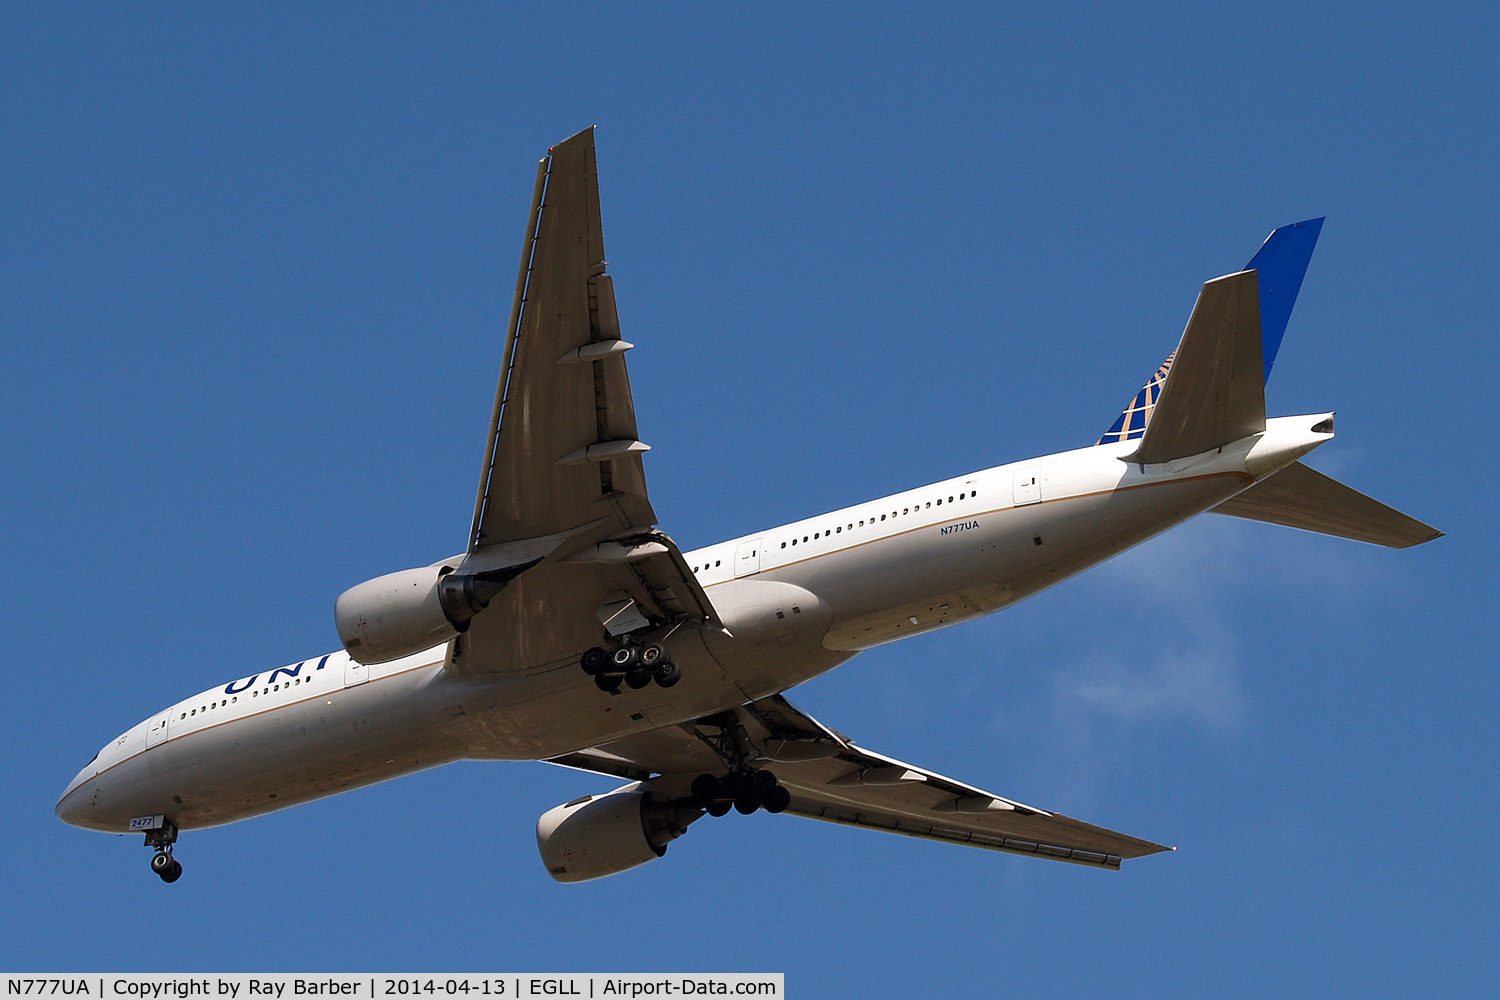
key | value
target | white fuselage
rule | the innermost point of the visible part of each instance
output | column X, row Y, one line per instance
column 795, row 600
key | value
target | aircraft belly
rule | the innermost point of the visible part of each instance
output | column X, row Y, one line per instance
column 291, row 754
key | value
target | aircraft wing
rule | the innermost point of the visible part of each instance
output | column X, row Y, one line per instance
column 832, row 779
column 562, row 459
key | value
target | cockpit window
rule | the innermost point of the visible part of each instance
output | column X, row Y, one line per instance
column 93, row 758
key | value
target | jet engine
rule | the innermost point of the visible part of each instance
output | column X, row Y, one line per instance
column 402, row 613
column 600, row 835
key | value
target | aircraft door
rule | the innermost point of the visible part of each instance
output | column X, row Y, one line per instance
column 157, row 731
column 1028, row 485
column 747, row 558
column 354, row 672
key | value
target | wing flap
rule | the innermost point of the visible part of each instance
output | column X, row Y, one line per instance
column 892, row 823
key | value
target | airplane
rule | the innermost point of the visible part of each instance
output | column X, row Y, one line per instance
column 572, row 630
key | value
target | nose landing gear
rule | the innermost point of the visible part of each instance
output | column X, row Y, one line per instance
column 166, row 866
column 161, row 833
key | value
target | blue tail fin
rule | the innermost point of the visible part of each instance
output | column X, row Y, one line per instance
column 1280, row 264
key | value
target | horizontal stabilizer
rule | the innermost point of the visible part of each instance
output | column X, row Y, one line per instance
column 1300, row 497
column 1214, row 392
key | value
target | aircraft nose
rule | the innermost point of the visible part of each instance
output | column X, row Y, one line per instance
column 70, row 804
column 77, row 806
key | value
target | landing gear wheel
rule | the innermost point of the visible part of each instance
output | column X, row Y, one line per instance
column 653, row 654
column 625, row 657
column 777, row 799
column 608, row 683
column 717, row 808
column 638, row 678
column 167, row 867
column 764, row 782
column 593, row 661
column 730, row 785
column 667, row 673
column 747, row 802
column 704, row 788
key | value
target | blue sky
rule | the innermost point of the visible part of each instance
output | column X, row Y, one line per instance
column 255, row 265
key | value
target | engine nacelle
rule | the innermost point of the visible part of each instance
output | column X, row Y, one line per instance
column 403, row 613
column 600, row 835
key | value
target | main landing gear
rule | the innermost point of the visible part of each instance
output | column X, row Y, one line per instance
column 162, row 836
column 635, row 664
column 742, row 789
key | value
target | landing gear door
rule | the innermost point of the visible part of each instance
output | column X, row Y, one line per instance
column 354, row 672
column 157, row 731
column 747, row 558
column 1027, row 485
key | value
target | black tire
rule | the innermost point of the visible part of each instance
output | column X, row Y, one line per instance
column 730, row 785
column 624, row 658
column 763, row 782
column 746, row 802
column 593, row 661
column 703, row 790
column 166, row 867
column 637, row 679
column 652, row 654
column 667, row 673
column 607, row 683
column 777, row 799
column 718, row 807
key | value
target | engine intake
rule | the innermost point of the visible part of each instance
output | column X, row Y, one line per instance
column 600, row 835
column 402, row 613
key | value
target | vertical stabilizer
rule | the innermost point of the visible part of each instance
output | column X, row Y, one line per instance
column 1280, row 265
column 1213, row 393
